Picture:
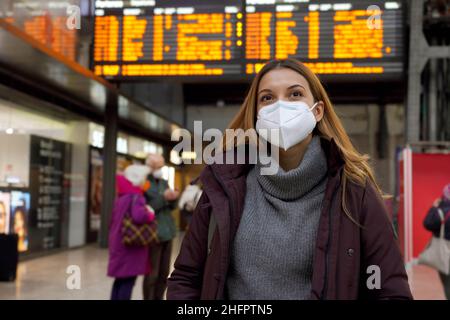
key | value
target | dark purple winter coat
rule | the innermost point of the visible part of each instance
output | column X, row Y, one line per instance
column 344, row 251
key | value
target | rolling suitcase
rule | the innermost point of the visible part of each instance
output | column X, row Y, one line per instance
column 9, row 257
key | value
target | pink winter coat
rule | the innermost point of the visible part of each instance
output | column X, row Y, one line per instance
column 127, row 261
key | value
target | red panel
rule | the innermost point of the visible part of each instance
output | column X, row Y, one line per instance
column 401, row 208
column 431, row 172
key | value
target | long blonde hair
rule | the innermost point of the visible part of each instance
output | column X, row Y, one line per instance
column 356, row 167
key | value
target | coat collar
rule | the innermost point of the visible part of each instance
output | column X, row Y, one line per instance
column 334, row 156
column 335, row 162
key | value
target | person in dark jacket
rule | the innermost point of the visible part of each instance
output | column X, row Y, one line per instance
column 163, row 201
column 432, row 222
column 315, row 229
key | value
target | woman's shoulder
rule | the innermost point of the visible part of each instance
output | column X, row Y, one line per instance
column 366, row 188
column 355, row 189
column 364, row 198
column 128, row 198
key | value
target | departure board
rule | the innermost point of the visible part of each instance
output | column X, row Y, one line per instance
column 50, row 31
column 234, row 38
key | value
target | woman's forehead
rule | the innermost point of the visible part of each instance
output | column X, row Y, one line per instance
column 282, row 78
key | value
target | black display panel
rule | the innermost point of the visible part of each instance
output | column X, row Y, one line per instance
column 50, row 190
column 233, row 39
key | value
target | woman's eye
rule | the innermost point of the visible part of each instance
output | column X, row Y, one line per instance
column 296, row 94
column 265, row 98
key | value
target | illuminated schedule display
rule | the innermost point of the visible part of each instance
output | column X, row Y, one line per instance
column 153, row 38
column 169, row 38
column 49, row 30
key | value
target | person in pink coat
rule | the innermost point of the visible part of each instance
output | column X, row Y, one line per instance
column 127, row 262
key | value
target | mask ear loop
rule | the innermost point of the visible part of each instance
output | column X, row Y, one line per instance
column 311, row 109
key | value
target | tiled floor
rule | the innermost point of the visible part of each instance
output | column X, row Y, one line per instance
column 45, row 278
column 425, row 283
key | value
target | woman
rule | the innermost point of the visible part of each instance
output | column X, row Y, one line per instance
column 20, row 228
column 3, row 218
column 127, row 262
column 314, row 230
column 433, row 223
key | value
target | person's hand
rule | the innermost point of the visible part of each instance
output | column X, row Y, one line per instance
column 150, row 209
column 151, row 212
column 437, row 202
column 171, row 195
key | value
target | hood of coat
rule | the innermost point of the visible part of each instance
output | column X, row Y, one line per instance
column 124, row 186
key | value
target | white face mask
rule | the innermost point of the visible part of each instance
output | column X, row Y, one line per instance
column 293, row 120
column 157, row 174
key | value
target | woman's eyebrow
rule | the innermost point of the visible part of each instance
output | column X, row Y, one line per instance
column 268, row 90
column 290, row 87
column 296, row 85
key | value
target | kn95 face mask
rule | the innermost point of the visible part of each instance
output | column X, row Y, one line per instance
column 293, row 121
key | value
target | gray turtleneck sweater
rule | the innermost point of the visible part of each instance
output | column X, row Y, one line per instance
column 272, row 253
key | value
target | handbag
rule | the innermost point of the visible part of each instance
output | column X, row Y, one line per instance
column 437, row 252
column 138, row 235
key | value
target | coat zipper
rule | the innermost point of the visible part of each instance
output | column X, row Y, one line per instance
column 231, row 207
column 325, row 286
